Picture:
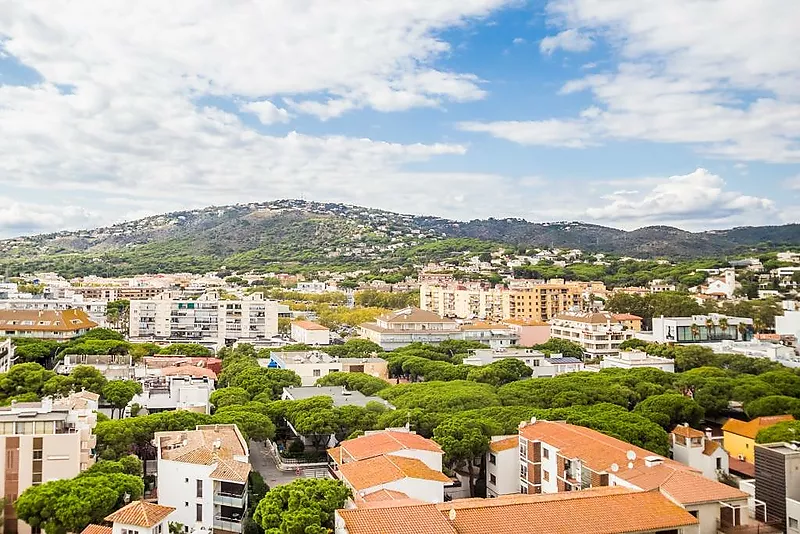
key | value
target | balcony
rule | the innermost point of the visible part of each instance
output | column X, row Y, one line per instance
column 770, row 527
column 229, row 524
column 231, row 498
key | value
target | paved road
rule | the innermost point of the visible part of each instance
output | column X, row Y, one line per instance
column 265, row 465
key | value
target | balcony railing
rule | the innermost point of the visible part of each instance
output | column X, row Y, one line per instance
column 227, row 523
column 233, row 499
column 770, row 527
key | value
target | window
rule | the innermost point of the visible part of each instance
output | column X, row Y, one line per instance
column 199, row 514
column 523, row 490
column 719, row 464
column 492, row 480
column 523, row 471
column 37, row 455
column 792, row 522
column 129, row 531
column 545, row 452
column 492, row 459
column 316, row 372
column 522, row 451
column 186, row 504
column 200, row 490
column 186, row 480
column 545, row 475
column 157, row 530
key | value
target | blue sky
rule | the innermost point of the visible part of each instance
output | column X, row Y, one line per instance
column 616, row 112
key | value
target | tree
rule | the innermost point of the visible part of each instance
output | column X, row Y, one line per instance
column 561, row 346
column 24, row 378
column 58, row 386
column 452, row 396
column 118, row 313
column 86, row 377
column 787, row 431
column 255, row 426
column 500, row 372
column 772, row 405
column 670, row 409
column 710, row 328
column 354, row 348
column 229, row 396
column 317, row 425
column 633, row 344
column 119, row 393
column 465, row 440
column 366, row 384
column 186, row 349
column 304, row 506
column 101, row 334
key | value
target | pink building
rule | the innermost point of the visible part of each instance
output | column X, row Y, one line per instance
column 530, row 332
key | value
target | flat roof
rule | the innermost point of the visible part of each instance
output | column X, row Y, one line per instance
column 340, row 396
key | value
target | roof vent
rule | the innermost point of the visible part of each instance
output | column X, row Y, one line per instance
column 651, row 461
column 452, row 514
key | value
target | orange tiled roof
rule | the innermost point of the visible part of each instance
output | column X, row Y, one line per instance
column 188, row 370
column 140, row 514
column 96, row 529
column 380, row 443
column 710, row 447
column 750, row 429
column 609, row 510
column 687, row 432
column 626, row 317
column 681, row 485
column 45, row 320
column 501, row 445
column 308, row 325
column 230, row 470
column 372, row 472
column 384, row 495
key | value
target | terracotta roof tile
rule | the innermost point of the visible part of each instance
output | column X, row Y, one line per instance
column 419, row 519
column 384, row 495
column 681, row 485
column 231, row 470
column 687, row 432
column 504, row 444
column 188, row 370
column 96, row 529
column 383, row 443
column 140, row 514
column 750, row 429
column 45, row 320
column 373, row 472
column 308, row 325
column 710, row 447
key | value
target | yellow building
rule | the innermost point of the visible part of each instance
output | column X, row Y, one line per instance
column 629, row 321
column 739, row 437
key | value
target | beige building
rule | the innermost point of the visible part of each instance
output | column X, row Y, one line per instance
column 44, row 441
column 45, row 324
column 599, row 333
column 531, row 301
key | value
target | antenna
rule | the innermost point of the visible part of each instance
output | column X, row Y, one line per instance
column 614, row 468
column 631, row 455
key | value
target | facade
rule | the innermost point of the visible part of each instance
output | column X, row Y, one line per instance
column 109, row 293
column 555, row 457
column 637, row 359
column 618, row 510
column 598, row 333
column 340, row 395
column 788, row 324
column 542, row 365
column 203, row 474
column 701, row 329
column 388, row 465
column 6, row 355
column 495, row 335
column 45, row 324
column 530, row 333
column 176, row 388
column 138, row 517
column 313, row 365
column 531, row 301
column 208, row 319
column 377, row 367
column 777, row 483
column 310, row 333
column 44, row 441
column 739, row 437
column 697, row 450
column 629, row 321
column 503, row 457
column 95, row 309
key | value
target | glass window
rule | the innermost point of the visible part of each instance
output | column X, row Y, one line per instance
column 492, row 480
column 545, row 475
column 37, row 455
column 199, row 489
column 492, row 459
column 6, row 429
column 316, row 372
column 792, row 522
column 199, row 513
column 25, row 427
column 43, row 427
column 545, row 452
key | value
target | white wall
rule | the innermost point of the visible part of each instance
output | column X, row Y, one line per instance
column 792, row 513
column 788, row 323
column 505, row 470
column 551, row 466
column 416, row 488
column 429, row 458
column 311, row 337
column 175, row 491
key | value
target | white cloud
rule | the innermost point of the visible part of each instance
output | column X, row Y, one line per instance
column 570, row 134
column 17, row 218
column 696, row 198
column 792, row 183
column 267, row 112
column 518, row 41
column 570, row 40
column 684, row 76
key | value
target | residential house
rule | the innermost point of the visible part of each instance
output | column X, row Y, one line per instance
column 711, row 328
column 409, row 325
column 599, row 333
column 138, row 517
column 310, row 333
column 697, row 450
column 203, row 475
column 503, row 457
column 720, row 287
column 495, row 335
column 637, row 359
column 739, row 437
column 176, row 388
column 389, row 465
column 542, row 365
column 44, row 441
column 95, row 309
column 601, row 510
column 309, row 365
column 629, row 321
column 556, row 457
column 530, row 332
column 59, row 325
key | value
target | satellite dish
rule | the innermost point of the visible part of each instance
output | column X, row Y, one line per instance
column 533, row 420
column 614, row 468
column 630, row 465
column 631, row 455
column 452, row 514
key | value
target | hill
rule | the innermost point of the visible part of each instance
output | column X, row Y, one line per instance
column 293, row 234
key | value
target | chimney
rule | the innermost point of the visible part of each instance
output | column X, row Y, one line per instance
column 708, row 433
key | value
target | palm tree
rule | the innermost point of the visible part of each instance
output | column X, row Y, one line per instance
column 695, row 330
column 758, row 325
column 710, row 327
column 723, row 325
column 742, row 330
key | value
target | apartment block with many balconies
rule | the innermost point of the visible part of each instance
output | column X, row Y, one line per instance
column 599, row 333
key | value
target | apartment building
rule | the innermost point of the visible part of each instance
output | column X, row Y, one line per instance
column 531, row 301
column 637, row 359
column 390, row 465
column 95, row 309
column 59, row 325
column 711, row 328
column 777, row 484
column 44, row 441
column 558, row 457
column 110, row 293
column 176, row 388
column 208, row 319
column 697, row 450
column 310, row 333
column 599, row 333
column 6, row 355
column 410, row 325
column 542, row 365
column 203, row 475
column 607, row 510
column 312, row 365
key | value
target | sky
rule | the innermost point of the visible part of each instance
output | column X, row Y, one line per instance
column 616, row 112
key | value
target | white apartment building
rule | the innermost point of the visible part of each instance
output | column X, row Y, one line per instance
column 310, row 333
column 542, row 365
column 599, row 333
column 44, row 441
column 701, row 329
column 697, row 450
column 138, row 517
column 203, row 474
column 177, row 388
column 6, row 355
column 637, row 359
column 310, row 366
column 208, row 319
column 314, row 286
